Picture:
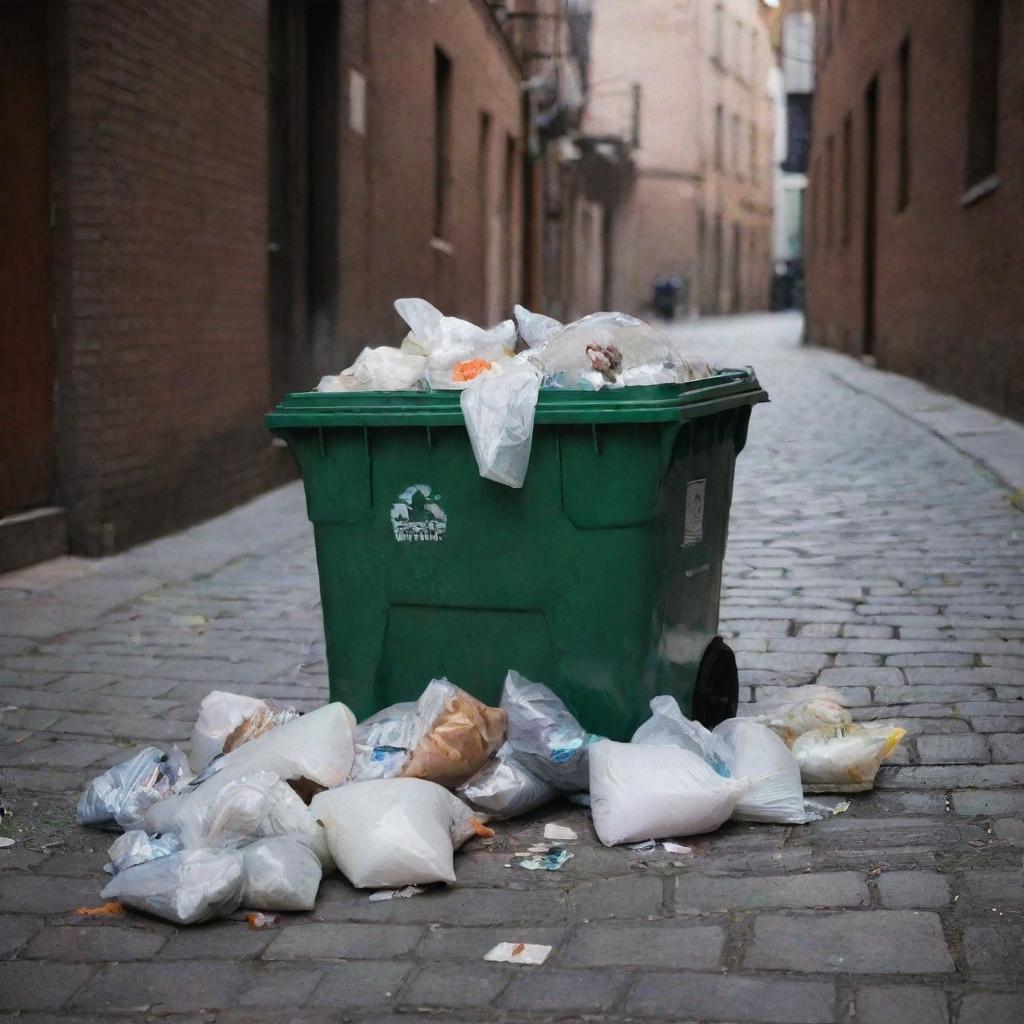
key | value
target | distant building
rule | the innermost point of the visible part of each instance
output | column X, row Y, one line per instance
column 207, row 205
column 915, row 252
column 689, row 84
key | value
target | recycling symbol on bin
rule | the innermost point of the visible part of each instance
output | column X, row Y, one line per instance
column 417, row 515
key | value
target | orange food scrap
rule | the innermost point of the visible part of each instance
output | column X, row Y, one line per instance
column 108, row 909
column 480, row 829
column 469, row 369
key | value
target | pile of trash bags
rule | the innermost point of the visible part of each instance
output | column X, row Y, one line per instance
column 270, row 801
column 501, row 371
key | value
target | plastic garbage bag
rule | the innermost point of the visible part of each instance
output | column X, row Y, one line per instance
column 384, row 741
column 546, row 738
column 227, row 720
column 378, row 369
column 636, row 342
column 280, row 873
column 668, row 726
column 754, row 752
column 122, row 795
column 535, row 329
column 387, row 833
column 185, row 887
column 809, row 707
column 455, row 735
column 139, row 847
column 844, row 758
column 649, row 792
column 226, row 809
column 505, row 787
column 499, row 411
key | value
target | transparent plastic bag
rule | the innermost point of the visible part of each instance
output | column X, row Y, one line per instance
column 809, row 707
column 637, row 343
column 387, row 833
column 546, row 738
column 535, row 329
column 184, row 887
column 505, row 787
column 454, row 735
column 139, row 847
column 499, row 411
column 384, row 742
column 122, row 795
column 668, row 726
column 227, row 720
column 640, row 792
column 280, row 873
column 756, row 753
column 379, row 369
column 844, row 758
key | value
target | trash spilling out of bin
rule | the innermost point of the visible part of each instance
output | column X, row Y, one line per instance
column 295, row 798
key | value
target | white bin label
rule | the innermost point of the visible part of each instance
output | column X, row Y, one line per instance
column 693, row 523
column 418, row 516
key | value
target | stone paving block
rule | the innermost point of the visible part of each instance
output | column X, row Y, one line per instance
column 828, row 889
column 995, row 947
column 981, row 676
column 861, row 677
column 732, row 998
column 698, row 948
column 912, row 889
column 933, row 659
column 28, row 985
column 963, row 749
column 950, row 776
column 67, row 753
column 94, row 943
column 1007, row 748
column 848, row 660
column 981, row 801
column 371, row 984
column 565, row 990
column 629, row 897
column 218, row 940
column 457, row 986
column 992, row 1008
column 998, row 888
column 903, row 1004
column 920, row 693
column 283, row 986
column 171, row 987
column 850, row 942
column 33, row 895
column 343, row 941
column 16, row 929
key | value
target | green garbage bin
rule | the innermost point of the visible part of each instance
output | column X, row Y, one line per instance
column 600, row 577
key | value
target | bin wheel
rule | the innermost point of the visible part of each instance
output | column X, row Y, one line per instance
column 717, row 690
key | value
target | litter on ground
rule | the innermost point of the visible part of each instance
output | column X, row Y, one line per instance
column 518, row 953
column 560, row 833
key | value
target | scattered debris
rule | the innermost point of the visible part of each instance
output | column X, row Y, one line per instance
column 5, row 842
column 561, row 833
column 518, row 953
column 676, row 848
column 109, row 909
column 257, row 919
column 396, row 894
column 550, row 861
column 647, row 844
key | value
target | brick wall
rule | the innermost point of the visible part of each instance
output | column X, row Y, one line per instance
column 949, row 303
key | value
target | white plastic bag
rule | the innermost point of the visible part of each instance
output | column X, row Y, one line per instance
column 138, row 847
column 122, row 795
column 184, row 887
column 227, row 720
column 535, row 329
column 387, row 833
column 499, row 412
column 544, row 735
column 809, row 707
column 668, row 726
column 379, row 369
column 280, row 873
column 844, row 758
column 755, row 753
column 642, row 792
column 505, row 787
column 384, row 741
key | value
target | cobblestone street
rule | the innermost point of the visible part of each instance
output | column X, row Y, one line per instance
column 876, row 546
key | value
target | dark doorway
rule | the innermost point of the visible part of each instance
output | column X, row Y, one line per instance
column 737, row 268
column 870, row 203
column 26, row 341
column 716, row 277
column 303, row 186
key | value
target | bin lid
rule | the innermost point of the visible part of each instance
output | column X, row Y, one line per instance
column 658, row 403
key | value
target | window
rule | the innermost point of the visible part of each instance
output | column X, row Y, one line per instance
column 737, row 49
column 737, row 161
column 847, row 170
column 814, row 186
column 830, row 167
column 903, row 169
column 754, row 169
column 483, row 192
column 984, row 92
column 719, row 142
column 718, row 51
column 753, row 56
column 442, row 139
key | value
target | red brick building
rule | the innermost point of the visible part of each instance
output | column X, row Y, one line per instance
column 206, row 204
column 915, row 231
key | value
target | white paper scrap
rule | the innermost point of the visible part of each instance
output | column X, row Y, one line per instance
column 677, row 848
column 560, row 833
column 518, row 953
